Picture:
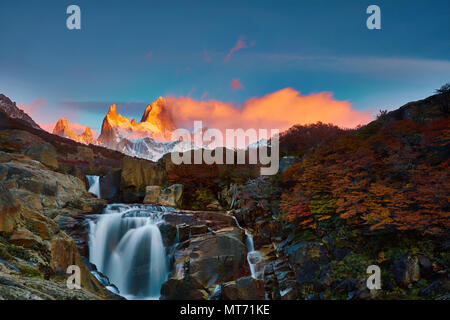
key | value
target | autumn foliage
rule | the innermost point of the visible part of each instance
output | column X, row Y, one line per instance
column 390, row 175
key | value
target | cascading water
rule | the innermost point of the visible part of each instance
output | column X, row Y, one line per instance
column 94, row 185
column 126, row 245
column 254, row 257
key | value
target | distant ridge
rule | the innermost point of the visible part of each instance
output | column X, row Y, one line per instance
column 11, row 109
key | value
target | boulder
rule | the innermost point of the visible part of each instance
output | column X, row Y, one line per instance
column 137, row 174
column 45, row 153
column 219, row 257
column 110, row 185
column 407, row 270
column 170, row 196
column 245, row 288
column 152, row 194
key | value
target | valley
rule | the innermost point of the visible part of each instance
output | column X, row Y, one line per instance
column 139, row 229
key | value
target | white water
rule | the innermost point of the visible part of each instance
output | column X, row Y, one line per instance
column 94, row 185
column 254, row 257
column 126, row 245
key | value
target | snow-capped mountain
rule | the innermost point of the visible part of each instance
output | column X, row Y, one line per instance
column 149, row 139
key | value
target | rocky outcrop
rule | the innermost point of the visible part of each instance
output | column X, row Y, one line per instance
column 171, row 196
column 110, row 185
column 35, row 203
column 245, row 288
column 208, row 250
column 136, row 175
column 45, row 153
column 13, row 111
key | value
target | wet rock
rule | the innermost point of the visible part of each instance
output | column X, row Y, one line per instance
column 110, row 185
column 245, row 288
column 218, row 258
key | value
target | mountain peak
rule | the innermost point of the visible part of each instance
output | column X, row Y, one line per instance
column 112, row 112
column 11, row 109
column 62, row 129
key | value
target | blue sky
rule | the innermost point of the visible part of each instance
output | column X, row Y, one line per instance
column 131, row 52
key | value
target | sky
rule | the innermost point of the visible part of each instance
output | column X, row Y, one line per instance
column 204, row 54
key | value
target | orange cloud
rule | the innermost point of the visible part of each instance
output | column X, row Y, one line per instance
column 236, row 85
column 278, row 110
column 240, row 44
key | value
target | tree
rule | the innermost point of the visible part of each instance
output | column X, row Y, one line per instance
column 445, row 89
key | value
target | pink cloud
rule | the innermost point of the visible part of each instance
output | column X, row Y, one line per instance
column 236, row 85
column 34, row 106
column 149, row 55
column 206, row 56
column 278, row 110
column 240, row 44
column 204, row 95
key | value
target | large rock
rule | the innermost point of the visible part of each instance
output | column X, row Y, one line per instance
column 218, row 258
column 183, row 289
column 170, row 196
column 110, row 185
column 407, row 270
column 306, row 259
column 45, row 153
column 245, row 288
column 137, row 174
column 9, row 211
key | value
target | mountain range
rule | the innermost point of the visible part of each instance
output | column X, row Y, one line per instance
column 149, row 139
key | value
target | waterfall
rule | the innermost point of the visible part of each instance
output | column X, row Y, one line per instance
column 254, row 257
column 94, row 185
column 126, row 245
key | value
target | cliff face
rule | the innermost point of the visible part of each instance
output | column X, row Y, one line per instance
column 62, row 129
column 11, row 110
column 156, row 123
column 34, row 250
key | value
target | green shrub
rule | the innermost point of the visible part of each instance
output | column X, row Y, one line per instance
column 31, row 272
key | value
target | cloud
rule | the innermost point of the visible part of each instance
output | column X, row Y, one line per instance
column 236, row 85
column 204, row 95
column 34, row 106
column 149, row 55
column 240, row 44
column 206, row 56
column 406, row 68
column 278, row 110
